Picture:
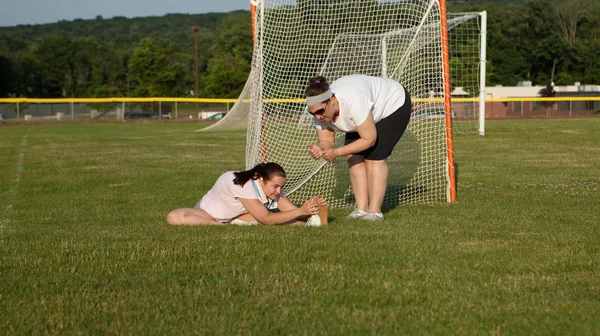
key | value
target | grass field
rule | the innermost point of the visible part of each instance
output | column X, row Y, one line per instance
column 84, row 247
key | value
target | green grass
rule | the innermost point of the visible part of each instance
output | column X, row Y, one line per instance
column 84, row 247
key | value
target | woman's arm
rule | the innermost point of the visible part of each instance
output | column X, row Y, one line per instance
column 326, row 140
column 368, row 136
column 264, row 216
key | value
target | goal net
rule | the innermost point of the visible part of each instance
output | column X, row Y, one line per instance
column 467, row 45
column 399, row 39
column 237, row 117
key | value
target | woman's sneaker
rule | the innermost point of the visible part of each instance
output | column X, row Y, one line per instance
column 373, row 216
column 357, row 213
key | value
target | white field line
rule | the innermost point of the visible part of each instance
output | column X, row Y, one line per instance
column 5, row 220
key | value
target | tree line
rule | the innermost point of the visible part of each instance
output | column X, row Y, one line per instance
column 537, row 40
column 120, row 57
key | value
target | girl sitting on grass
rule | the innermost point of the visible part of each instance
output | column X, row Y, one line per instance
column 246, row 198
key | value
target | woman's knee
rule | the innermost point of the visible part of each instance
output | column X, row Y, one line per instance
column 355, row 159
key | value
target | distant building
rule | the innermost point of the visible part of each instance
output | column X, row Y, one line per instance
column 526, row 90
column 577, row 90
column 529, row 109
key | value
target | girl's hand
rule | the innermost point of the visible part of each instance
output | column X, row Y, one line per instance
column 320, row 201
column 310, row 207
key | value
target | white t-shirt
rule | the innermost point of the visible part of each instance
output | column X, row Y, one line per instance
column 359, row 95
column 222, row 200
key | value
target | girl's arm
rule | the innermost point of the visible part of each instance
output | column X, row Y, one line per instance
column 284, row 204
column 264, row 216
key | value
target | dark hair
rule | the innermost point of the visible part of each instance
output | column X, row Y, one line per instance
column 316, row 86
column 265, row 170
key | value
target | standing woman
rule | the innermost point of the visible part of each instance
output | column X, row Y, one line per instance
column 247, row 197
column 374, row 113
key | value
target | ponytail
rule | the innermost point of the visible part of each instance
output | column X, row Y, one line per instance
column 266, row 171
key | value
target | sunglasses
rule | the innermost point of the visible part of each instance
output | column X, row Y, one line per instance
column 319, row 111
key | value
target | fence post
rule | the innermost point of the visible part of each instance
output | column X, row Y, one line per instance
column 570, row 108
column 522, row 103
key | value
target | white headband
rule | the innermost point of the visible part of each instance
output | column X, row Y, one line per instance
column 319, row 98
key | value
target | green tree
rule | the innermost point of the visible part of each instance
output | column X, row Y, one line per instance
column 226, row 76
column 29, row 79
column 7, row 76
column 546, row 57
column 155, row 71
column 541, row 27
column 229, row 67
column 569, row 15
column 547, row 92
column 506, row 60
column 55, row 58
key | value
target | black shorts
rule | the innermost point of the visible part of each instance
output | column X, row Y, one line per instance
column 389, row 131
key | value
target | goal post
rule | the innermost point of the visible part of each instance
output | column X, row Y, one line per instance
column 402, row 40
column 467, row 33
column 482, row 71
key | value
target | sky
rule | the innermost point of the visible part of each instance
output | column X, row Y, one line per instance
column 18, row 12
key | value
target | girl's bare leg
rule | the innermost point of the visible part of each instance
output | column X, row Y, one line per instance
column 190, row 216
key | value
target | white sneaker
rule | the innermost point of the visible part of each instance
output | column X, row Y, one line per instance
column 357, row 213
column 314, row 220
column 373, row 216
column 242, row 222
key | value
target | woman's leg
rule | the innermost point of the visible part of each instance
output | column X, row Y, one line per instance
column 190, row 216
column 358, row 179
column 377, row 177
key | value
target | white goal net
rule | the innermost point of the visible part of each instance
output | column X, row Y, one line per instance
column 399, row 39
column 467, row 45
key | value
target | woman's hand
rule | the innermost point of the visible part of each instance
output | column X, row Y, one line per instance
column 315, row 151
column 329, row 154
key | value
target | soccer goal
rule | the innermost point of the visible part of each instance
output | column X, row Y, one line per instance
column 402, row 40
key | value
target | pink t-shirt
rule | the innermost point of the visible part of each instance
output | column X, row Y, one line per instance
column 222, row 200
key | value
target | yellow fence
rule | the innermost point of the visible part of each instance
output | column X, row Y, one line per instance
column 118, row 108
column 233, row 100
